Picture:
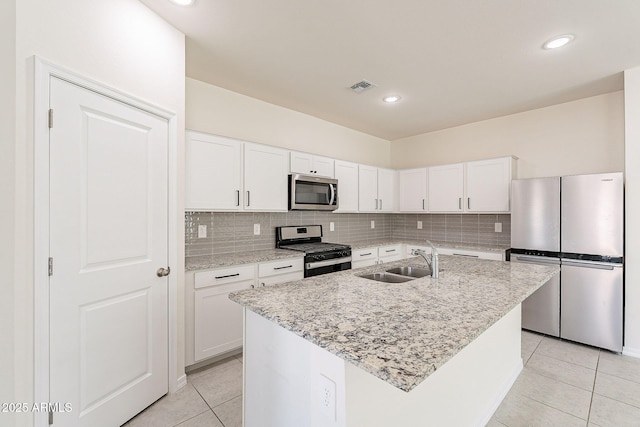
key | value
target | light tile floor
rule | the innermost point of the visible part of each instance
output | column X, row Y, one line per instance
column 562, row 384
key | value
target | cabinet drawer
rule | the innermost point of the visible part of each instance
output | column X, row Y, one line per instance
column 280, row 278
column 280, row 267
column 497, row 256
column 389, row 251
column 364, row 254
column 224, row 275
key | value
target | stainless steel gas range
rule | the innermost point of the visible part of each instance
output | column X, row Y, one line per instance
column 320, row 257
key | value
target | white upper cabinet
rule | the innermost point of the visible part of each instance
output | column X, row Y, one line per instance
column 265, row 177
column 213, row 172
column 308, row 164
column 480, row 186
column 446, row 188
column 489, row 185
column 347, row 175
column 386, row 190
column 367, row 188
column 376, row 189
column 412, row 190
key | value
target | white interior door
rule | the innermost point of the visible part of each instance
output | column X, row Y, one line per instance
column 108, row 238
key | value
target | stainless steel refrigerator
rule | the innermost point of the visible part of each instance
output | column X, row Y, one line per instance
column 575, row 221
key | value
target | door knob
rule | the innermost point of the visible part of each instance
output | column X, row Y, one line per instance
column 162, row 272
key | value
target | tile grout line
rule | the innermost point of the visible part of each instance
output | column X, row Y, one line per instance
column 208, row 406
column 593, row 390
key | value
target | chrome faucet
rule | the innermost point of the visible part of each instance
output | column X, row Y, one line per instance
column 432, row 261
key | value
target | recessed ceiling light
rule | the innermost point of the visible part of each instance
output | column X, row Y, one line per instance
column 391, row 99
column 183, row 2
column 558, row 41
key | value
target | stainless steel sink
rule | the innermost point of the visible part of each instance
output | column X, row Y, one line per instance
column 411, row 271
column 386, row 277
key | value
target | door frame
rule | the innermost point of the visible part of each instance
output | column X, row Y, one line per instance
column 43, row 72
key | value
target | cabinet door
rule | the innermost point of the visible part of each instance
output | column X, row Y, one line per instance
column 323, row 166
column 386, row 190
column 218, row 320
column 446, row 188
column 412, row 190
column 213, row 172
column 347, row 175
column 301, row 163
column 488, row 185
column 265, row 178
column 367, row 188
column 390, row 253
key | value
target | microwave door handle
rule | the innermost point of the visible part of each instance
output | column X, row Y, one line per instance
column 333, row 194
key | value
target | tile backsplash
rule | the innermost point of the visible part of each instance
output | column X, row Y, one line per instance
column 234, row 231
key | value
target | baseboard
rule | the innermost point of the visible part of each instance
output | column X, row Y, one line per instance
column 632, row 352
column 502, row 393
column 181, row 382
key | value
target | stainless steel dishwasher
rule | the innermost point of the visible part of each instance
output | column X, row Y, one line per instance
column 541, row 310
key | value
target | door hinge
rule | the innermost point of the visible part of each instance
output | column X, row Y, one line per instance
column 50, row 417
column 50, row 118
column 50, row 266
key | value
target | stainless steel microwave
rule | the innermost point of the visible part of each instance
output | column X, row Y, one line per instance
column 312, row 193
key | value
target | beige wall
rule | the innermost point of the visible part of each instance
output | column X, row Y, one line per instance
column 632, row 208
column 219, row 111
column 120, row 43
column 584, row 136
column 7, row 192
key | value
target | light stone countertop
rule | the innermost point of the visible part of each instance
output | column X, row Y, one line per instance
column 206, row 262
column 422, row 242
column 226, row 260
column 401, row 332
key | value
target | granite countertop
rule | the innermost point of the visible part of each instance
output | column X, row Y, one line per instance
column 226, row 260
column 206, row 262
column 422, row 242
column 403, row 332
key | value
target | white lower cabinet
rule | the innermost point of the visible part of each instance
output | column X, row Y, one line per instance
column 271, row 273
column 214, row 322
column 218, row 320
column 376, row 255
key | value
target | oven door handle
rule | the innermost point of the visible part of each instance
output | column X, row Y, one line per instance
column 311, row 265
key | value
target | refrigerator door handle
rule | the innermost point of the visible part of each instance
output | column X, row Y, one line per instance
column 590, row 265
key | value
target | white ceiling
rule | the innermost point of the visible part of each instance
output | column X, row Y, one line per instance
column 452, row 61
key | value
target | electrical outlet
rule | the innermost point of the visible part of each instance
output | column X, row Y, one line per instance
column 327, row 397
column 332, row 226
column 256, row 229
column 202, row 231
column 373, row 224
column 419, row 225
column 498, row 227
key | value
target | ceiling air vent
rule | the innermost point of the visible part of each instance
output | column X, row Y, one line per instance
column 361, row 86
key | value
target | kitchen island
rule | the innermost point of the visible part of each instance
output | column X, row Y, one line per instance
column 342, row 350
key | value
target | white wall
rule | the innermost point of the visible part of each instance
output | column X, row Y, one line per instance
column 120, row 43
column 7, row 191
column 632, row 211
column 222, row 112
column 584, row 136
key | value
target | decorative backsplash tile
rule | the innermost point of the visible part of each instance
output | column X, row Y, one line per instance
column 233, row 232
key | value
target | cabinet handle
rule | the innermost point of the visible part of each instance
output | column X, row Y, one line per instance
column 468, row 202
column 281, row 268
column 237, row 197
column 365, row 254
column 262, row 284
column 390, row 250
column 460, row 203
column 228, row 275
column 422, row 204
column 380, row 204
column 253, row 286
column 248, row 198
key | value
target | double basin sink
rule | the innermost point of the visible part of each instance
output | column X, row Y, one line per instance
column 398, row 274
